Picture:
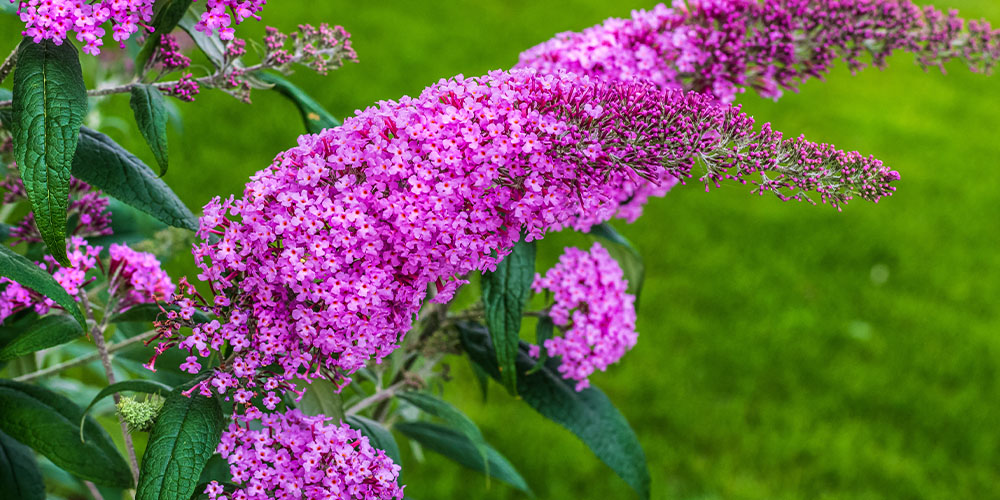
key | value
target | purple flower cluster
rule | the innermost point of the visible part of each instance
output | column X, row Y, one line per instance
column 322, row 49
column 88, row 208
column 721, row 46
column 220, row 16
column 324, row 261
column 593, row 311
column 54, row 19
column 82, row 258
column 168, row 54
column 297, row 456
column 136, row 278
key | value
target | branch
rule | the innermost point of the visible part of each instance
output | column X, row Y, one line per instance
column 376, row 398
column 97, row 333
column 82, row 360
column 8, row 65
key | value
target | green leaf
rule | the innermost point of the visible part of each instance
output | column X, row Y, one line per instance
column 182, row 441
column 50, row 101
column 165, row 18
column 505, row 291
column 20, row 478
column 48, row 423
column 543, row 332
column 588, row 414
column 148, row 313
column 378, row 436
column 453, row 416
column 151, row 116
column 26, row 273
column 145, row 386
column 314, row 116
column 458, row 448
column 104, row 164
column 212, row 46
column 627, row 256
column 321, row 398
column 48, row 331
column 482, row 378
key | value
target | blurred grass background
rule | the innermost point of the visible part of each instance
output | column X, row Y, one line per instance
column 786, row 351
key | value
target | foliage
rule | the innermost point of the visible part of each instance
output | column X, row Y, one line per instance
column 395, row 393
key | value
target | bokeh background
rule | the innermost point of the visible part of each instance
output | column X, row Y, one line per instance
column 787, row 351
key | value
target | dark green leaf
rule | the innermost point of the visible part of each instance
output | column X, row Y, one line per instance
column 321, row 398
column 543, row 332
column 5, row 231
column 48, row 423
column 627, row 256
column 212, row 46
column 145, row 386
column 20, row 478
column 104, row 164
column 482, row 378
column 457, row 447
column 378, row 436
column 147, row 313
column 315, row 117
column 165, row 18
column 26, row 273
column 151, row 117
column 217, row 469
column 183, row 439
column 588, row 414
column 50, row 101
column 48, row 331
column 505, row 292
column 455, row 418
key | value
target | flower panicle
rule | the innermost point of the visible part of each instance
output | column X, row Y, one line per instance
column 323, row 263
column 721, row 47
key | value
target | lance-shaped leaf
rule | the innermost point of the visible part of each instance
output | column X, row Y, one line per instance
column 626, row 254
column 320, row 398
column 543, row 332
column 166, row 15
column 151, row 116
column 505, row 292
column 212, row 46
column 145, row 386
column 183, row 439
column 104, row 164
column 455, row 419
column 378, row 436
column 20, row 478
column 588, row 414
column 458, row 448
column 50, row 101
column 26, row 273
column 48, row 423
column 314, row 116
column 48, row 331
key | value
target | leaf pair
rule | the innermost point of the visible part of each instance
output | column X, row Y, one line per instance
column 460, row 440
column 588, row 414
column 505, row 293
column 49, row 423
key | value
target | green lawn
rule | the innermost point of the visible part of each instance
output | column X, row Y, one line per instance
column 787, row 351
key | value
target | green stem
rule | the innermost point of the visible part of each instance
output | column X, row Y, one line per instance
column 8, row 65
column 82, row 360
column 97, row 333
